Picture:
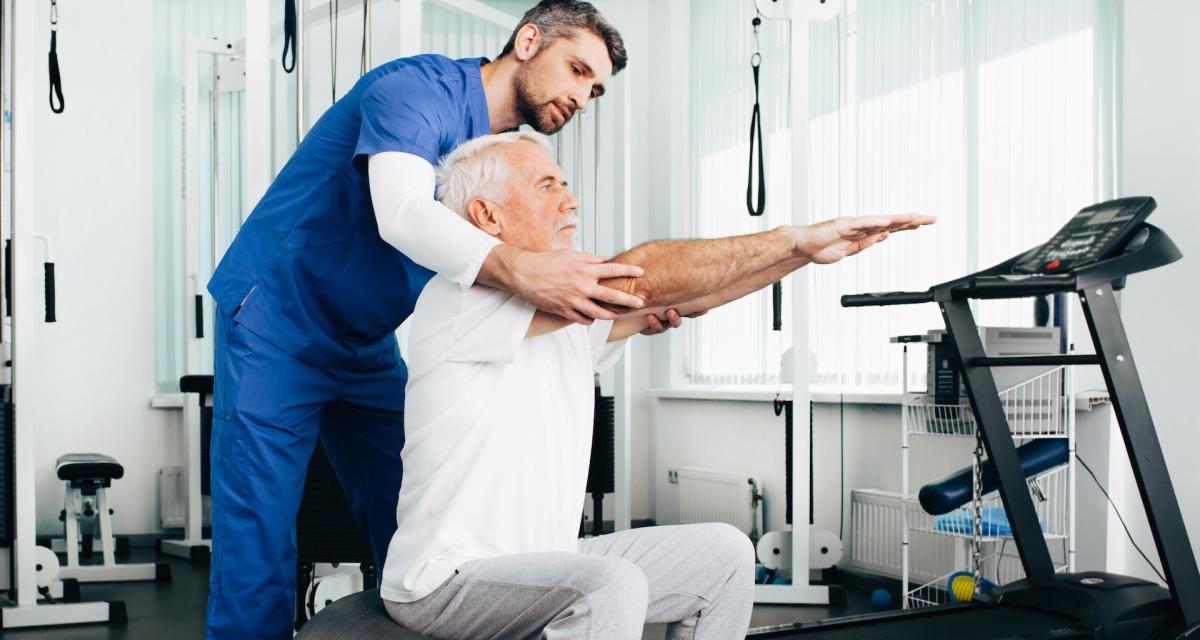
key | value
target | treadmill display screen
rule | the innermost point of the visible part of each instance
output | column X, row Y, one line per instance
column 1090, row 235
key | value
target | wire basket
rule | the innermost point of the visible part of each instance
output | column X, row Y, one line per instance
column 1050, row 493
column 1036, row 408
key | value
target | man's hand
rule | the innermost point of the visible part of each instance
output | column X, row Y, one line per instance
column 830, row 241
column 566, row 282
column 655, row 326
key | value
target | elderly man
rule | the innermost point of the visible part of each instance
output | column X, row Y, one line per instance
column 499, row 427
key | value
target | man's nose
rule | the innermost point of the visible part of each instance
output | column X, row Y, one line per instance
column 578, row 100
column 570, row 202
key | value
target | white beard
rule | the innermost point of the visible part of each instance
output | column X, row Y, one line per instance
column 573, row 242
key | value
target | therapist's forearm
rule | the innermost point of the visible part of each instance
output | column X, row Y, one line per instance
column 409, row 219
column 678, row 271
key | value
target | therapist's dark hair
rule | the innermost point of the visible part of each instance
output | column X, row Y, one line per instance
column 561, row 18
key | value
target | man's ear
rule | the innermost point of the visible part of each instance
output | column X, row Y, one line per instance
column 485, row 215
column 527, row 42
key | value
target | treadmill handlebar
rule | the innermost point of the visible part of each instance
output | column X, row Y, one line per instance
column 886, row 299
column 1013, row 286
column 974, row 287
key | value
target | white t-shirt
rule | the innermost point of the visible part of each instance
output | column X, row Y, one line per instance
column 498, row 434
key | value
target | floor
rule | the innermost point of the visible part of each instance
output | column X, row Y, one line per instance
column 176, row 610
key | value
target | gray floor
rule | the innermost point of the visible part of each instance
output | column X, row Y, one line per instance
column 176, row 610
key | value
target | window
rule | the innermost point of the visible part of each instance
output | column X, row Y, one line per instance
column 995, row 115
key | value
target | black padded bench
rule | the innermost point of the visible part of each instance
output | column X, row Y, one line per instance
column 88, row 471
column 360, row 615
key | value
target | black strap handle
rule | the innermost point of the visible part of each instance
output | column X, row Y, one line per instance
column 199, row 316
column 777, row 306
column 50, row 305
column 55, row 75
column 8, row 278
column 756, row 133
column 289, row 35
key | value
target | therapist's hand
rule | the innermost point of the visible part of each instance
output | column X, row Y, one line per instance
column 564, row 282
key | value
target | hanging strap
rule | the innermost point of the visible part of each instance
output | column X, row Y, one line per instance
column 757, row 208
column 756, row 136
column 289, row 35
column 55, row 75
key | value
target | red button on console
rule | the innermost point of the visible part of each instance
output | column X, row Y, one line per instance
column 1053, row 264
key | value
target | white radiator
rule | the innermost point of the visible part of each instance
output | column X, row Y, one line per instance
column 172, row 499
column 876, row 523
column 717, row 496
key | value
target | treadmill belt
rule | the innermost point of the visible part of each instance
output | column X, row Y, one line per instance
column 957, row 623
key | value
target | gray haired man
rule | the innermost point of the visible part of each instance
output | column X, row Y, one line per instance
column 499, row 427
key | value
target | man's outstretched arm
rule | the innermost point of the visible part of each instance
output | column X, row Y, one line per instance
column 696, row 275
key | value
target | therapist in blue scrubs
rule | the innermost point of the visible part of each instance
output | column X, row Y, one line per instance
column 330, row 263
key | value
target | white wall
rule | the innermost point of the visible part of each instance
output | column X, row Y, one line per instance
column 1161, row 158
column 95, row 368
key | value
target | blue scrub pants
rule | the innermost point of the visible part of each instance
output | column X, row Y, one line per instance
column 269, row 410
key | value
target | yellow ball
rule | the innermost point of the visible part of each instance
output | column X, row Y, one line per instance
column 963, row 588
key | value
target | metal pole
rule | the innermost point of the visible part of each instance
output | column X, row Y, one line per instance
column 5, row 191
column 904, row 478
column 214, row 161
column 301, row 67
column 367, row 35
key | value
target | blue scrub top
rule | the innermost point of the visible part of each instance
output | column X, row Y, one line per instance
column 308, row 272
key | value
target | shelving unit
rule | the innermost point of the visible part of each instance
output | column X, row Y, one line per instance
column 1039, row 407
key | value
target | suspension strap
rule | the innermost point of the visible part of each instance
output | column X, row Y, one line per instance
column 756, row 136
column 55, row 74
column 289, row 35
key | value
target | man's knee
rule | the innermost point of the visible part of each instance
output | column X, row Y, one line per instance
column 620, row 590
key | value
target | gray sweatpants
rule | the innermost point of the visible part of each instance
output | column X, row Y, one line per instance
column 699, row 578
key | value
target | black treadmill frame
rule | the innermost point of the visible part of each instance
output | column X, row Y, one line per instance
column 1094, row 283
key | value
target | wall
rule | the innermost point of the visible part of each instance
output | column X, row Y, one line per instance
column 95, row 367
column 1161, row 157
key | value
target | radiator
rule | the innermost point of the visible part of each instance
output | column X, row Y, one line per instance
column 717, row 496
column 876, row 522
column 172, row 499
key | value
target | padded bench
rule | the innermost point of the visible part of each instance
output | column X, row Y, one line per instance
column 88, row 471
column 360, row 615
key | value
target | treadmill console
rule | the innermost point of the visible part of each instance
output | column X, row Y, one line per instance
column 1091, row 235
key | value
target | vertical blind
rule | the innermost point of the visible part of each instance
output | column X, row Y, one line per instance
column 995, row 115
column 175, row 22
column 734, row 344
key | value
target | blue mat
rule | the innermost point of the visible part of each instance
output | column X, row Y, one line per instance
column 994, row 522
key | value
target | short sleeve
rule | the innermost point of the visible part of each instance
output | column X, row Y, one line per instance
column 402, row 112
column 604, row 353
column 489, row 327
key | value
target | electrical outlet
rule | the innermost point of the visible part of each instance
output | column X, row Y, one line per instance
column 672, row 476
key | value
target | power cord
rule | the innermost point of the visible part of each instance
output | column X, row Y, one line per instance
column 1119, row 517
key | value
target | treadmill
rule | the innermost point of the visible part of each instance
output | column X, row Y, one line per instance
column 1090, row 257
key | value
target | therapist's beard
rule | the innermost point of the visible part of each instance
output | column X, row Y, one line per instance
column 538, row 115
